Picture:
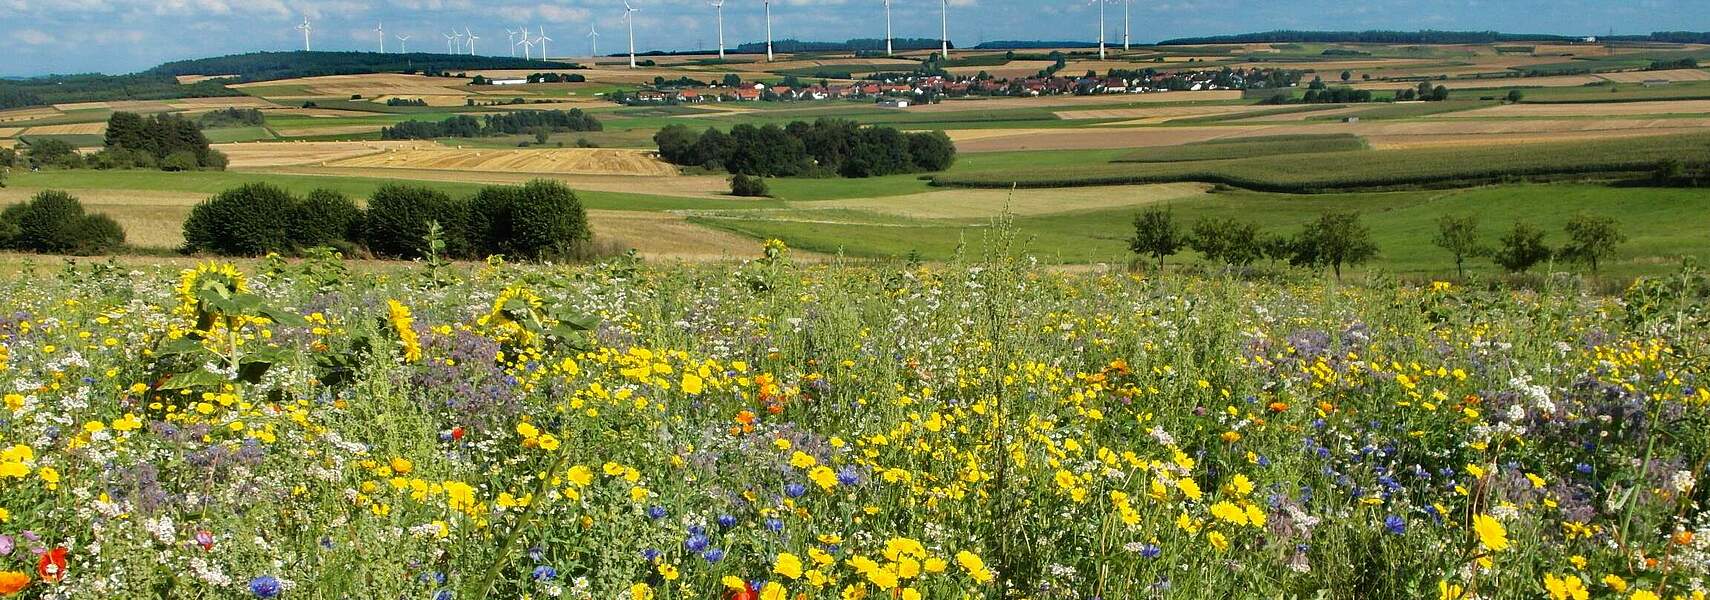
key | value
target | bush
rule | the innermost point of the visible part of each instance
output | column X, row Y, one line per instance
column 182, row 160
column 246, row 221
column 489, row 220
column 324, row 218
column 547, row 221
column 52, row 152
column 397, row 221
column 748, row 187
column 54, row 221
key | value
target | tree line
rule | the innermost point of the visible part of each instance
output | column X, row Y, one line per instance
column 1339, row 239
column 540, row 220
column 166, row 141
column 823, row 147
column 511, row 123
column 67, row 89
column 267, row 66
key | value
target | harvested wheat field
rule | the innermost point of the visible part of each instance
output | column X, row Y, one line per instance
column 1609, row 109
column 685, row 186
column 1002, row 140
column 69, row 129
column 981, row 203
column 437, row 99
column 1670, row 75
column 1141, row 116
column 1066, row 100
column 666, row 236
column 1488, row 83
column 290, row 132
column 599, row 161
column 150, row 219
column 189, row 79
column 11, row 132
column 1014, row 68
column 371, row 85
column 28, row 114
column 250, row 155
column 136, row 106
column 192, row 104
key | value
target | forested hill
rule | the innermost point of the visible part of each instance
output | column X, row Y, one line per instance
column 1422, row 37
column 265, row 66
column 65, row 89
column 856, row 45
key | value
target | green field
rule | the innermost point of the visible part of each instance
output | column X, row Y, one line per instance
column 1247, row 148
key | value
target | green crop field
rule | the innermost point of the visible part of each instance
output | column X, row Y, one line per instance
column 1247, row 148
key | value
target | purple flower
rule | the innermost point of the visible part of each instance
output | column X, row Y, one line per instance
column 544, row 573
column 265, row 586
column 795, row 490
column 775, row 525
column 1151, row 551
column 656, row 512
column 1394, row 525
column 726, row 521
column 713, row 555
column 7, row 545
column 696, row 543
column 848, row 476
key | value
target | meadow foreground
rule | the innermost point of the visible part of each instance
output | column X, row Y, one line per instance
column 776, row 430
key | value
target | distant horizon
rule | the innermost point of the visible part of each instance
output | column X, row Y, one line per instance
column 127, row 36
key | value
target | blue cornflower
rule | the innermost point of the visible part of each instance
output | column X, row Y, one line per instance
column 656, row 512
column 545, row 573
column 1583, row 468
column 650, row 554
column 795, row 490
column 265, row 586
column 774, row 525
column 696, row 543
column 443, row 595
column 1394, row 525
column 713, row 555
column 726, row 521
column 848, row 476
column 1151, row 551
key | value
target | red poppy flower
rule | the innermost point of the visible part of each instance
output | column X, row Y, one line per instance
column 456, row 434
column 746, row 593
column 51, row 567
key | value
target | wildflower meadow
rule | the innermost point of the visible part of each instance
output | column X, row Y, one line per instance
column 982, row 428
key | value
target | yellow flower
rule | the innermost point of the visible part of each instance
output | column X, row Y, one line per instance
column 975, row 567
column 1565, row 588
column 773, row 591
column 1241, row 486
column 129, row 422
column 734, row 583
column 1615, row 582
column 1491, row 534
column 1449, row 591
column 580, row 475
column 1218, row 541
column 668, row 572
column 1189, row 488
column 401, row 465
column 802, row 460
column 404, row 325
column 641, row 591
column 788, row 565
column 527, row 431
column 823, row 476
column 692, row 384
column 1645, row 595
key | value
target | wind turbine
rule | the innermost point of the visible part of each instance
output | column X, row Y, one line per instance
column 888, row 50
column 451, row 42
column 944, row 29
column 543, row 40
column 1126, row 5
column 768, row 30
column 1100, row 4
column 629, row 17
column 594, row 37
column 472, row 37
column 719, row 5
column 381, row 29
column 528, row 45
column 305, row 28
column 403, row 43
column 511, row 40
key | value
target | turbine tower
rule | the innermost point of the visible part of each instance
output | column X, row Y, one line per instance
column 543, row 40
column 472, row 37
column 511, row 40
column 888, row 49
column 451, row 43
column 305, row 28
column 528, row 46
column 719, row 5
column 629, row 17
column 1126, row 5
column 1100, row 4
column 403, row 43
column 768, row 30
column 944, row 29
column 381, row 29
column 594, row 42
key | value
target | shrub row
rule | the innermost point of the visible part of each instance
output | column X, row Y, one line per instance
column 466, row 126
column 539, row 220
column 54, row 222
column 826, row 146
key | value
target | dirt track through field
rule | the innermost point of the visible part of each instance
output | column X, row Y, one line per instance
column 595, row 161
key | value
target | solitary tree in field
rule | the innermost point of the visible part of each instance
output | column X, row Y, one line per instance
column 1522, row 248
column 1156, row 235
column 1335, row 239
column 1591, row 239
column 1459, row 235
column 1228, row 241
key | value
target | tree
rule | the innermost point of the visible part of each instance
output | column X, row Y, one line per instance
column 1515, row 96
column 1521, row 249
column 748, row 187
column 1228, row 241
column 1347, row 76
column 1156, row 235
column 1592, row 238
column 249, row 220
column 1335, row 239
column 931, row 151
column 1459, row 235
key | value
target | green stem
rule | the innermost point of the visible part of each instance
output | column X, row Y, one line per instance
column 539, row 496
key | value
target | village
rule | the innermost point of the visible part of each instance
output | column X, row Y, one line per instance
column 900, row 90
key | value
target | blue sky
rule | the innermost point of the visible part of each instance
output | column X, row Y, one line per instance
column 64, row 36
